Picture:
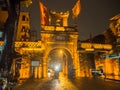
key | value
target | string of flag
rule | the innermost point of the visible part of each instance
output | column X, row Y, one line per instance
column 44, row 16
column 76, row 9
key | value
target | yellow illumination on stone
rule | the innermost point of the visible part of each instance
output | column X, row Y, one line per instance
column 89, row 49
column 53, row 28
column 47, row 44
column 26, row 3
column 96, row 46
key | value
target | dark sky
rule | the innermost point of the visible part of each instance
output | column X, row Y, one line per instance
column 94, row 16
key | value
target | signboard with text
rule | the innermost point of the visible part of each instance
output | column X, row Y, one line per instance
column 115, row 55
column 35, row 63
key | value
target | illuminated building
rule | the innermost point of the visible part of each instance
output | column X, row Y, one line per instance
column 110, row 61
column 58, row 35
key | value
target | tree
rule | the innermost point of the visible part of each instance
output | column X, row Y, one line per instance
column 109, row 36
column 10, row 28
column 99, row 39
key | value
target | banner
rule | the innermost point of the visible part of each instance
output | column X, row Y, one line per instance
column 43, row 14
column 76, row 9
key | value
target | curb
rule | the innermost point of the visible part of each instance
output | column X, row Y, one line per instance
column 112, row 79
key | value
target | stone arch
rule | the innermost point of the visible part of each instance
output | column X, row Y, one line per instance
column 48, row 51
column 62, row 58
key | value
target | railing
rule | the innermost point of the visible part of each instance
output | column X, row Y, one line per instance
column 96, row 46
column 26, row 44
column 58, row 28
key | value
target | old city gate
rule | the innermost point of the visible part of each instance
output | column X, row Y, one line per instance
column 60, row 46
column 56, row 51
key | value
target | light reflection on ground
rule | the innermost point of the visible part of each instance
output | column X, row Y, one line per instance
column 66, row 84
column 49, row 84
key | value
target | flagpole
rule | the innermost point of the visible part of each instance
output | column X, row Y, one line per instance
column 75, row 23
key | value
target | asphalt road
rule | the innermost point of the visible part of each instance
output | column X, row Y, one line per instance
column 65, row 84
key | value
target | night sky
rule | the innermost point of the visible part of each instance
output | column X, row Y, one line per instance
column 93, row 18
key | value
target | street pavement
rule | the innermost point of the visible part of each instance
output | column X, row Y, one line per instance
column 96, row 84
column 112, row 77
column 47, row 84
column 65, row 84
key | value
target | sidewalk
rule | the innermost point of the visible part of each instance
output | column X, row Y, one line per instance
column 111, row 77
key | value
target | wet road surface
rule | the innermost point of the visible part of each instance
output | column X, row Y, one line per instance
column 65, row 84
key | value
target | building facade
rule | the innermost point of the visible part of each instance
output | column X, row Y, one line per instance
column 58, row 46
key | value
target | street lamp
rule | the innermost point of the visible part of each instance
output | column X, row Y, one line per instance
column 57, row 67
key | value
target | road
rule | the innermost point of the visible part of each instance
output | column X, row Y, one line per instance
column 66, row 84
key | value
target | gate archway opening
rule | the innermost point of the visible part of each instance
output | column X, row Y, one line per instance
column 60, row 63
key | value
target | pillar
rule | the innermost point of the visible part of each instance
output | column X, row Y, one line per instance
column 78, row 68
column 40, row 71
column 75, row 63
column 63, row 67
column 65, row 23
column 66, row 68
column 45, row 74
column 35, row 72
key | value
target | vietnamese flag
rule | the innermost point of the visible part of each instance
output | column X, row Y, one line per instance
column 43, row 14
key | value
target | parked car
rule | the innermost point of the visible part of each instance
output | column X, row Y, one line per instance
column 95, row 72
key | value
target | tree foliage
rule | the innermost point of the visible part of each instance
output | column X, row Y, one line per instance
column 109, row 36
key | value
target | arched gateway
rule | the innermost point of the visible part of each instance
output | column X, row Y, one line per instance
column 60, row 41
column 58, row 46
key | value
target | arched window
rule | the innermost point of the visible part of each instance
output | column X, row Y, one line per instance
column 23, row 18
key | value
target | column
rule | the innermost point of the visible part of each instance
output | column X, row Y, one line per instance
column 40, row 71
column 66, row 68
column 65, row 23
column 78, row 68
column 75, row 66
column 35, row 72
column 63, row 67
column 45, row 68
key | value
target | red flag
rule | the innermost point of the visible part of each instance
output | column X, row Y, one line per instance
column 76, row 9
column 43, row 14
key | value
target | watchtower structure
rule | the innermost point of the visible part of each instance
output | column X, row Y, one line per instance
column 58, row 35
column 23, row 31
column 59, row 19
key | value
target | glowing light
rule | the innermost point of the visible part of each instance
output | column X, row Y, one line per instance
column 89, row 49
column 61, row 51
column 57, row 67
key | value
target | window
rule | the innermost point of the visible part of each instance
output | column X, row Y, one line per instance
column 23, row 29
column 23, row 18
